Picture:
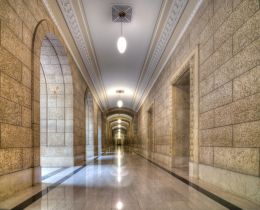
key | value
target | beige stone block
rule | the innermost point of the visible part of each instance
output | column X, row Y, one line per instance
column 10, row 160
column 10, row 112
column 60, row 100
column 249, row 32
column 243, row 160
column 11, row 89
column 36, row 135
column 68, row 100
column 55, row 89
column 56, row 113
column 26, row 96
column 15, row 136
column 56, row 139
column 26, row 77
column 60, row 125
column 68, row 89
column 247, row 134
column 10, row 65
column 52, row 101
column 219, row 57
column 52, row 126
column 206, row 120
column 37, row 90
column 36, row 156
column 206, row 50
column 24, row 13
column 57, row 151
column 235, row 20
column 216, row 98
column 222, row 5
column 26, row 117
column 27, row 158
column 27, row 37
column 69, row 138
column 248, row 186
column 207, row 85
column 206, row 155
column 14, row 182
column 69, row 113
column 67, row 79
column 247, row 84
column 57, row 161
column 68, row 126
column 247, row 109
column 10, row 18
column 36, row 113
column 224, row 115
column 221, row 136
column 43, row 138
column 15, row 45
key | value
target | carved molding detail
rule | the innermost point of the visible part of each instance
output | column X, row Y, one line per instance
column 175, row 13
column 77, row 34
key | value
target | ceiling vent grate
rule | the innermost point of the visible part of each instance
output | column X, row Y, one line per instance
column 121, row 13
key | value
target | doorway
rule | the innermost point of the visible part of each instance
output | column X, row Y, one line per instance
column 181, row 125
column 150, row 132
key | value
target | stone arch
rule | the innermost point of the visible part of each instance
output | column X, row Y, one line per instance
column 89, row 123
column 52, row 99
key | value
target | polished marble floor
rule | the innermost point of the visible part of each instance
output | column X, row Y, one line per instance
column 123, row 180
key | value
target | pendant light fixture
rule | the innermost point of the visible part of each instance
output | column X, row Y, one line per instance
column 121, row 14
column 120, row 102
column 121, row 42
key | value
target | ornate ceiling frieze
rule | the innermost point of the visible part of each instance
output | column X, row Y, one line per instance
column 176, row 10
column 77, row 34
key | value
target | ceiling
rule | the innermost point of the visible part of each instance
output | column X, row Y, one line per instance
column 91, row 36
column 121, row 71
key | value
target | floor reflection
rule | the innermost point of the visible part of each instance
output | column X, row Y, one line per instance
column 122, row 180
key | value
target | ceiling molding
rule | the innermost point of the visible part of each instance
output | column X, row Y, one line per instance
column 176, row 10
column 83, row 43
column 53, row 8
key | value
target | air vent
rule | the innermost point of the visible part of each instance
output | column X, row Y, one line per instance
column 121, row 13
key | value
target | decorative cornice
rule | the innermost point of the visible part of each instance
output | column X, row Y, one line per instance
column 177, row 8
column 55, row 14
column 87, row 55
column 157, row 71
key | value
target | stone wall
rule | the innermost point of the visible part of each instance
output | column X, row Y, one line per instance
column 227, row 33
column 23, row 27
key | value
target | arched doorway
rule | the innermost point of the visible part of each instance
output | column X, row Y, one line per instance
column 89, row 111
column 56, row 105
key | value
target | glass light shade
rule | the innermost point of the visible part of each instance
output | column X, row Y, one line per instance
column 120, row 103
column 121, row 44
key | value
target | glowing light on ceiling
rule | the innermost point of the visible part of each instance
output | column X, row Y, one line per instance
column 120, row 103
column 121, row 44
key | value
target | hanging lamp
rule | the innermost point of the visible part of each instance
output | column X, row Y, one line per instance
column 122, row 14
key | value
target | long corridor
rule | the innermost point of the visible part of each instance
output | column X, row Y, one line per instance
column 123, row 180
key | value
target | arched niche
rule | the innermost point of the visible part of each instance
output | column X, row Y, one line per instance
column 48, row 49
column 56, row 101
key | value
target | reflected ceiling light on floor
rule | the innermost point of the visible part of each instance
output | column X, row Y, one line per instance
column 122, row 14
column 119, row 120
column 119, row 205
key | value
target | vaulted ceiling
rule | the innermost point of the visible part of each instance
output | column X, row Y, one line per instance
column 91, row 36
